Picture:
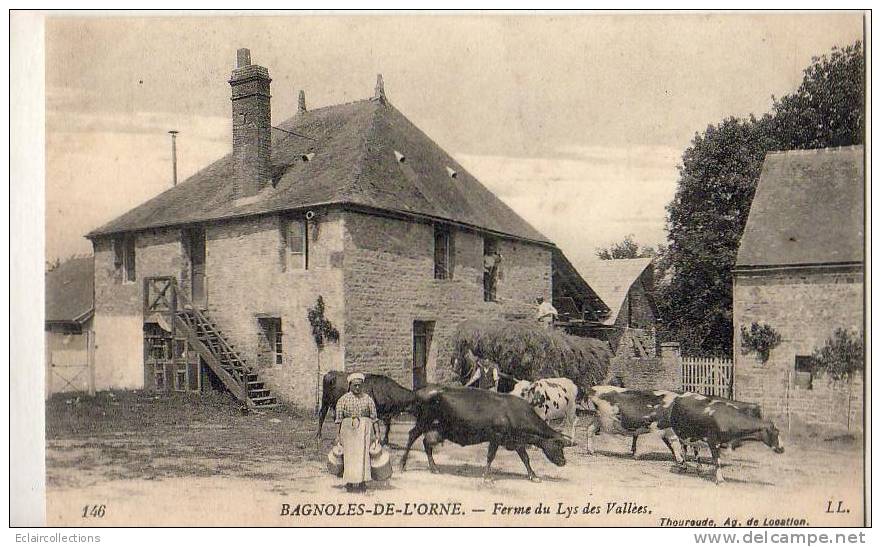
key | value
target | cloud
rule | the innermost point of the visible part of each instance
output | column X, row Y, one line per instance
column 100, row 165
column 584, row 197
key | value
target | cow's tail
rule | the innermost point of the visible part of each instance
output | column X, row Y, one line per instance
column 327, row 385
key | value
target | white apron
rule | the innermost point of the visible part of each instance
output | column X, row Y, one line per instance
column 355, row 438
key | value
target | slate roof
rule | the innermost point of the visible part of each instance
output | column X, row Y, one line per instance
column 70, row 291
column 354, row 163
column 808, row 209
column 612, row 279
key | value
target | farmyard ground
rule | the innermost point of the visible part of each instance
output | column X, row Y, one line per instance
column 185, row 460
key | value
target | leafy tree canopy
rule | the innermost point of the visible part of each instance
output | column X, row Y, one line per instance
column 717, row 180
column 628, row 248
column 841, row 356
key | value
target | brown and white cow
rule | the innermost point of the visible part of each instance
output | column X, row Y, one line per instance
column 697, row 418
column 632, row 412
column 552, row 398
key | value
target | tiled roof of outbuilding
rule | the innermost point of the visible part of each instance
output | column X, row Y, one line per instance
column 612, row 279
column 354, row 162
column 808, row 209
column 70, row 290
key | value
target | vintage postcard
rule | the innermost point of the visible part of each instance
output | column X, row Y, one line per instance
column 471, row 269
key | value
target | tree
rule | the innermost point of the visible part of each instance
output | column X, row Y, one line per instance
column 828, row 109
column 628, row 248
column 717, row 181
column 841, row 356
column 323, row 331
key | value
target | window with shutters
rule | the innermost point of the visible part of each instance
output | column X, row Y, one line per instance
column 297, row 243
column 269, row 346
column 124, row 258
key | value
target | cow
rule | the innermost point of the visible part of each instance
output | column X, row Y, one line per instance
column 749, row 409
column 469, row 416
column 552, row 399
column 390, row 397
column 632, row 412
column 698, row 418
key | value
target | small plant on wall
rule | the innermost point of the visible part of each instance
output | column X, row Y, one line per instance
column 760, row 339
column 841, row 356
column 322, row 329
column 323, row 332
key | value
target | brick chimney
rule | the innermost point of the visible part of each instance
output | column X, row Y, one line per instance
column 251, row 126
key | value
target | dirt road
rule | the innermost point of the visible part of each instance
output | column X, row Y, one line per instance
column 257, row 470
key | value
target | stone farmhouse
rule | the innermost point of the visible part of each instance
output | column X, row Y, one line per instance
column 211, row 282
column 800, row 270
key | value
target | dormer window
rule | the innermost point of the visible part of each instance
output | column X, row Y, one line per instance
column 400, row 157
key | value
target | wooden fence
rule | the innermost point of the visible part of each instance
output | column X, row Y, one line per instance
column 708, row 376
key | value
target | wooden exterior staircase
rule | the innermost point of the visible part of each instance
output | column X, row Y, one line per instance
column 161, row 296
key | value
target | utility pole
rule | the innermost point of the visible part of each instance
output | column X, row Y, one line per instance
column 173, row 134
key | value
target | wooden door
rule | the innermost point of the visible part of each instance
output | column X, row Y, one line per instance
column 196, row 242
column 421, row 346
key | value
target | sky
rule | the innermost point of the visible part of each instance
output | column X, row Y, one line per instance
column 575, row 121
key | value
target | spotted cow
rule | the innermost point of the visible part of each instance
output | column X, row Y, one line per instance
column 631, row 412
column 748, row 409
column 552, row 398
column 697, row 418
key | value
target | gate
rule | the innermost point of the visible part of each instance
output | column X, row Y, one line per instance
column 708, row 376
column 69, row 367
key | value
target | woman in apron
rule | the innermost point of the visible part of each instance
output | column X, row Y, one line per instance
column 355, row 413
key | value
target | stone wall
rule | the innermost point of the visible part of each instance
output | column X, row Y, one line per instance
column 636, row 311
column 389, row 284
column 246, row 280
column 638, row 369
column 375, row 274
column 119, row 317
column 805, row 307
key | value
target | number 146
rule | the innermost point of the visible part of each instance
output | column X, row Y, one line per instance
column 96, row 511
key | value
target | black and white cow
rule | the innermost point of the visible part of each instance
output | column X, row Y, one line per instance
column 552, row 398
column 697, row 418
column 631, row 412
column 748, row 409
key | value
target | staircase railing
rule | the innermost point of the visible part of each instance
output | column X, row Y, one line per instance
column 161, row 296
